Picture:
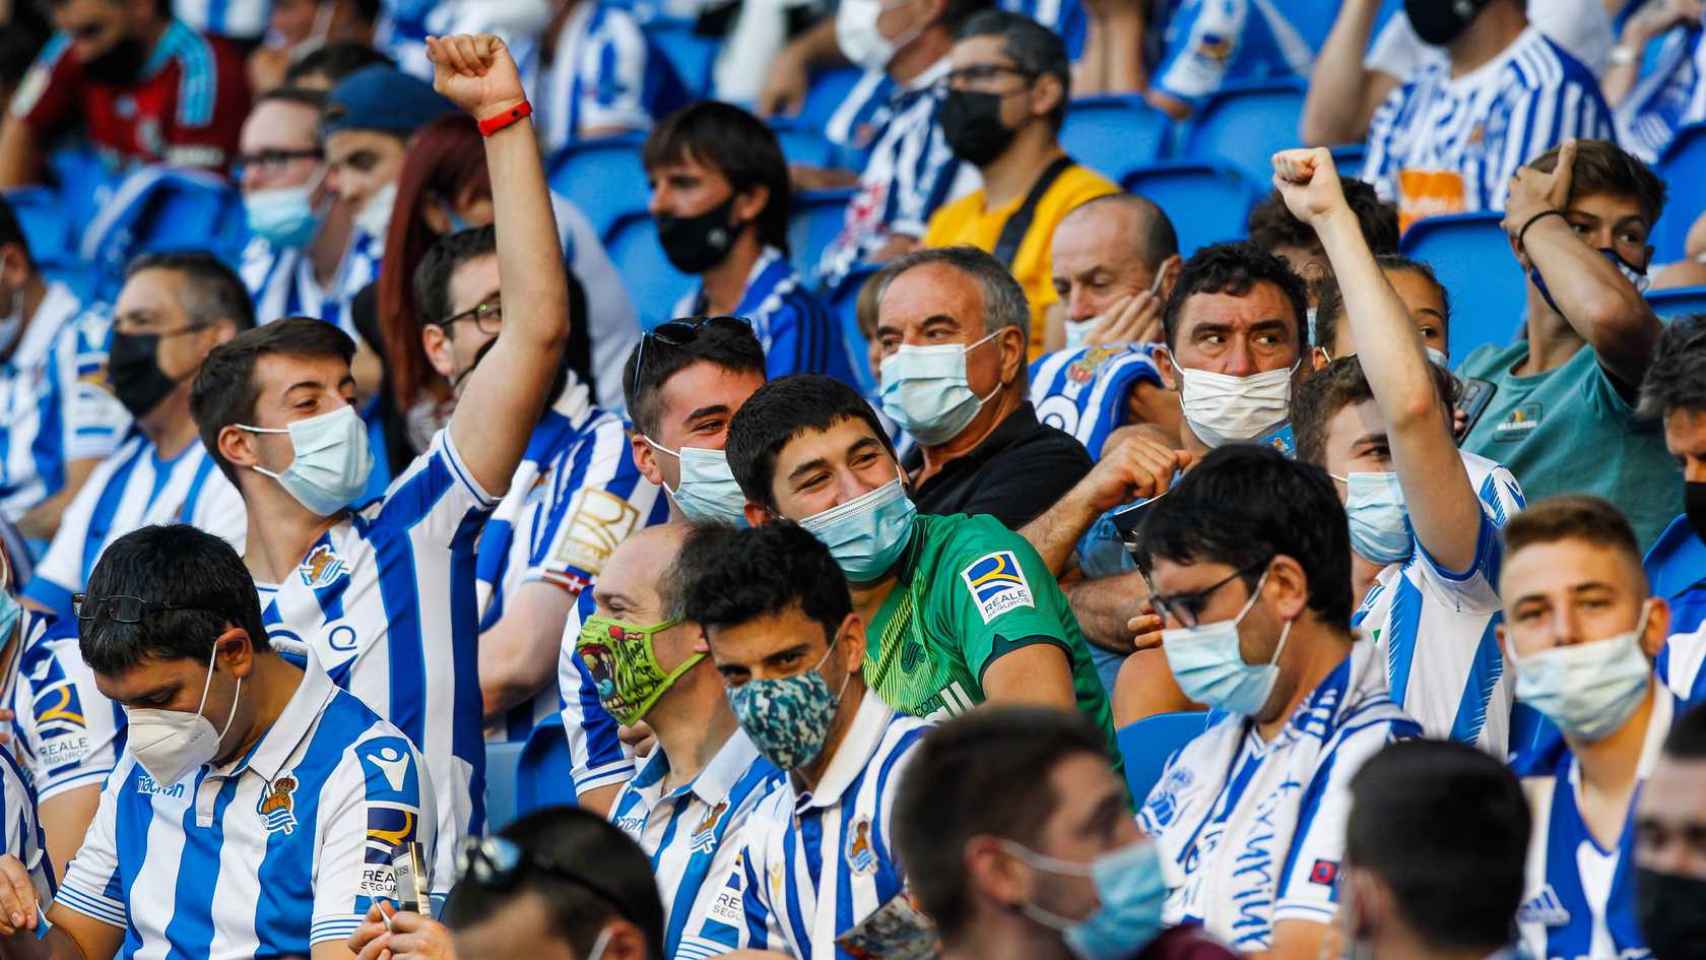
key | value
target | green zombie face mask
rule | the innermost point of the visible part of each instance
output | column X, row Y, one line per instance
column 624, row 665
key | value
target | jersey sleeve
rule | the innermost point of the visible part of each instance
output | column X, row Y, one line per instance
column 46, row 99
column 92, row 885
column 438, row 495
column 1201, row 45
column 216, row 507
column 1381, row 164
column 762, row 928
column 597, row 756
column 377, row 800
column 72, row 736
column 613, row 76
column 60, row 572
column 598, row 499
column 997, row 601
column 94, row 422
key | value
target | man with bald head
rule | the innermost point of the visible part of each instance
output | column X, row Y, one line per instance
column 953, row 328
column 1115, row 260
column 648, row 663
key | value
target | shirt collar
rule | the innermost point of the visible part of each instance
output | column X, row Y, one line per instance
column 575, row 402
column 852, row 756
column 1018, row 425
column 279, row 743
column 924, row 81
column 712, row 785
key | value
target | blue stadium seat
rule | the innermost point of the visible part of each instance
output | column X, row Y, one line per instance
column 692, row 55
column 813, row 225
column 1681, row 168
column 1146, row 745
column 1114, row 135
column 542, row 776
column 802, row 143
column 42, row 215
column 842, row 301
column 603, row 177
column 1472, row 256
column 1678, row 302
column 1245, row 125
column 1208, row 203
column 503, row 762
column 1349, row 158
column 81, row 178
column 653, row 283
column 154, row 210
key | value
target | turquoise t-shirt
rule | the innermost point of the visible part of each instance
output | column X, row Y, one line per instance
column 1570, row 431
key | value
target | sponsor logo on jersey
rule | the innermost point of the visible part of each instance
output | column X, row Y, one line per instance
column 860, row 855
column 148, row 787
column 277, row 807
column 1324, row 872
column 321, row 567
column 598, row 522
column 1520, row 422
column 1544, row 908
column 997, row 584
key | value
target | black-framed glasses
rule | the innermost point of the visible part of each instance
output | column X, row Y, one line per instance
column 488, row 317
column 272, row 161
column 981, row 74
column 496, row 863
column 684, row 330
column 1184, row 608
column 119, row 608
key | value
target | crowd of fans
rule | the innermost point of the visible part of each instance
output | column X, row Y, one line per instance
column 1077, row 594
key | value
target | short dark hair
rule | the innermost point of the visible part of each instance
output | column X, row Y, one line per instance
column 1687, row 737
column 1602, row 167
column 197, row 577
column 1572, row 516
column 224, row 392
column 1160, row 240
column 1432, row 819
column 780, row 411
column 336, row 61
column 1318, row 398
column 314, row 100
column 957, row 12
column 730, row 576
column 597, row 874
column 736, row 350
column 982, row 773
column 1236, row 268
column 1331, row 308
column 1676, row 379
column 1247, row 503
column 736, row 144
column 1272, row 225
column 12, row 231
column 432, row 276
column 212, row 291
column 1032, row 47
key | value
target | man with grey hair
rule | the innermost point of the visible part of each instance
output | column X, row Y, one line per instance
column 953, row 326
column 1114, row 260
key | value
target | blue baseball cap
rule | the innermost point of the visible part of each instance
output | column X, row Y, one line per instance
column 382, row 98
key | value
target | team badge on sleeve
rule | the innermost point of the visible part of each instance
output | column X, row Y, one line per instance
column 997, row 584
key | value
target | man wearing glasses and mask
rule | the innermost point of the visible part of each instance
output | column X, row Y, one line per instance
column 258, row 808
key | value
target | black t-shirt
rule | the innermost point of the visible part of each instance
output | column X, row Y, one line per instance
column 1015, row 474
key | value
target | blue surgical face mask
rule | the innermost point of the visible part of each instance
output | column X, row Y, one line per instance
column 282, row 216
column 331, row 462
column 1587, row 689
column 1380, row 521
column 867, row 534
column 925, row 390
column 1128, row 884
column 1635, row 275
column 788, row 719
column 1210, row 669
column 707, row 492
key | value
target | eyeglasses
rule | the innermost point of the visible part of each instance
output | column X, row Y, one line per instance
column 118, row 609
column 980, row 75
column 684, row 330
column 496, row 863
column 488, row 317
column 272, row 161
column 1185, row 608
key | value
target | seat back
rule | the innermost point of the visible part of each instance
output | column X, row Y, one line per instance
column 542, row 776
column 1678, row 302
column 692, row 55
column 653, row 283
column 1245, row 125
column 803, row 143
column 1208, row 203
column 813, row 224
column 1114, row 135
column 1471, row 255
column 603, row 177
column 1683, row 169
column 1349, row 159
column 503, row 762
column 842, row 302
column 1147, row 744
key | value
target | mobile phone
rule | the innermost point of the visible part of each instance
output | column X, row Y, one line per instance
column 1477, row 395
column 413, row 877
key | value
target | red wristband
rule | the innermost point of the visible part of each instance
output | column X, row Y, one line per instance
column 492, row 125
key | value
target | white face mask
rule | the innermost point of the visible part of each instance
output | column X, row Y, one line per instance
column 707, row 492
column 375, row 214
column 171, row 743
column 331, row 462
column 1222, row 409
column 1587, row 689
column 857, row 35
column 1077, row 330
column 925, row 390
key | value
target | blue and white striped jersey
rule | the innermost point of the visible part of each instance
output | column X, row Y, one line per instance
column 24, row 837
column 54, row 407
column 1579, row 899
column 606, row 73
column 1672, row 96
column 910, row 172
column 278, row 850
column 856, row 123
column 239, row 19
column 597, row 757
column 1676, row 569
column 1436, row 627
column 576, row 496
column 1252, row 832
column 1441, row 144
column 819, row 861
column 67, row 732
column 1064, row 17
column 797, row 331
column 1084, row 391
column 694, row 836
column 282, row 284
column 384, row 602
column 135, row 488
column 359, row 268
column 1213, row 43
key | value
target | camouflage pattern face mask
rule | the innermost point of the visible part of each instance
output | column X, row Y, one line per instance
column 788, row 718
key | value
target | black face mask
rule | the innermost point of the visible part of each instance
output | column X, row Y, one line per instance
column 1672, row 909
column 134, row 371
column 1694, row 506
column 696, row 244
column 119, row 66
column 971, row 122
column 1441, row 21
